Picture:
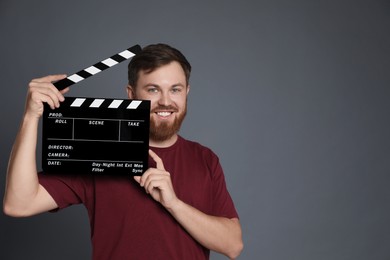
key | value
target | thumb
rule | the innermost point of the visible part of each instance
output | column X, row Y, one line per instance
column 137, row 179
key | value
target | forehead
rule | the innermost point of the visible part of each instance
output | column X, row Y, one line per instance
column 171, row 72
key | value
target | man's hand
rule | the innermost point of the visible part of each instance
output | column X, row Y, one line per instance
column 220, row 234
column 41, row 90
column 157, row 182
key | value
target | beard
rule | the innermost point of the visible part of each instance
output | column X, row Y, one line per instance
column 163, row 131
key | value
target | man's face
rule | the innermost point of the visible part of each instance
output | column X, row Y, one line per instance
column 167, row 90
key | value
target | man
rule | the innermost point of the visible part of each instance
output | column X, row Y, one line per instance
column 178, row 209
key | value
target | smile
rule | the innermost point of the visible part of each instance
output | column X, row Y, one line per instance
column 164, row 113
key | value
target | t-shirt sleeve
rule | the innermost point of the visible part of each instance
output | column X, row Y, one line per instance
column 222, row 202
column 65, row 190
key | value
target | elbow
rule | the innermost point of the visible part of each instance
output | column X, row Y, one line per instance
column 12, row 211
column 237, row 244
column 9, row 211
column 236, row 250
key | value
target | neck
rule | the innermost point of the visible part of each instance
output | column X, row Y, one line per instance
column 163, row 144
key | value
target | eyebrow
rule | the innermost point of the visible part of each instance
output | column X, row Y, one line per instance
column 158, row 86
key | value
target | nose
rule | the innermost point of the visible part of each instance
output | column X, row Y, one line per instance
column 165, row 99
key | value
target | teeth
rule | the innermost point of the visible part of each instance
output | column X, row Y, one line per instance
column 163, row 113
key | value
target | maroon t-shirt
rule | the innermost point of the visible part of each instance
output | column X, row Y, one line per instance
column 126, row 223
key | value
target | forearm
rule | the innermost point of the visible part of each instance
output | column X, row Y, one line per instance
column 219, row 234
column 22, row 181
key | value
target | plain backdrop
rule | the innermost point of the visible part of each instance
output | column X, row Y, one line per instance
column 292, row 95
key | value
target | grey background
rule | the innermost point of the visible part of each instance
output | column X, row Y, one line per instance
column 292, row 95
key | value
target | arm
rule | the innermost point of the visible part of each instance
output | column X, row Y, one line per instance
column 24, row 196
column 219, row 234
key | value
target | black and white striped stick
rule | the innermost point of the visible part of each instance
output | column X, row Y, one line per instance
column 98, row 67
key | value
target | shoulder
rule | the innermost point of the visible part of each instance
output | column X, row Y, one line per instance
column 193, row 145
column 197, row 149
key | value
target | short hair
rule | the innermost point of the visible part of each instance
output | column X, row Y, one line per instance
column 154, row 56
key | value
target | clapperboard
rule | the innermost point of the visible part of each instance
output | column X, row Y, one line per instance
column 96, row 135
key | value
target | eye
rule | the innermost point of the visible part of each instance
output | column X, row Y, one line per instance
column 152, row 90
column 176, row 89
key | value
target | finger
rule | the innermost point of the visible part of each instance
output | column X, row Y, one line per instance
column 149, row 175
column 50, row 78
column 142, row 179
column 157, row 182
column 44, row 92
column 65, row 90
column 48, row 89
column 151, row 186
column 159, row 162
column 39, row 99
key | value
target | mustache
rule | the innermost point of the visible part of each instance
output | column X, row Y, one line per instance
column 164, row 108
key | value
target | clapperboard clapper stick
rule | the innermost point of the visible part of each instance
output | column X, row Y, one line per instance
column 98, row 67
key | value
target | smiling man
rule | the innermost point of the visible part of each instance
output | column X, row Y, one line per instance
column 178, row 209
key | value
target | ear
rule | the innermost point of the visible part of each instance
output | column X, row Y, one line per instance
column 130, row 92
column 188, row 88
